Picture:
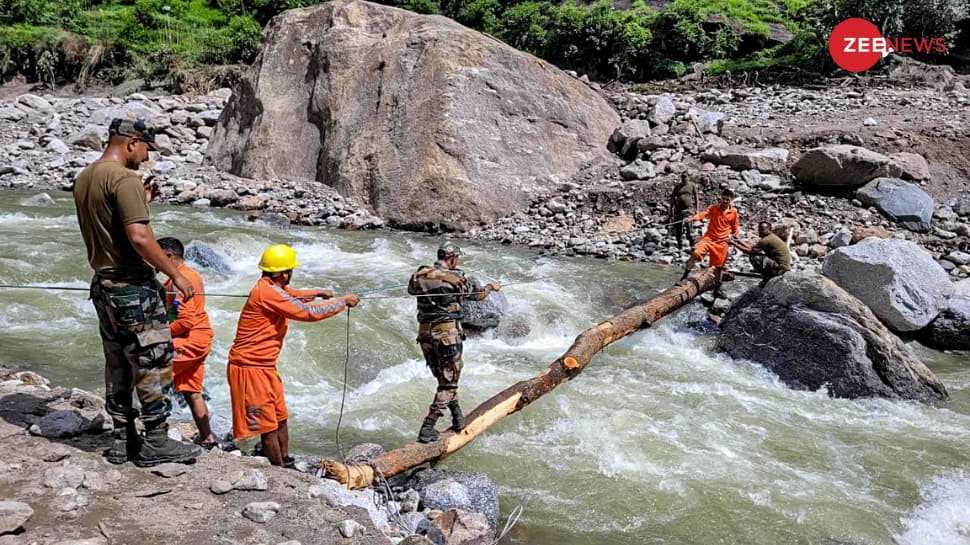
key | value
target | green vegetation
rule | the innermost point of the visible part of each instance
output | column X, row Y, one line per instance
column 164, row 41
column 154, row 40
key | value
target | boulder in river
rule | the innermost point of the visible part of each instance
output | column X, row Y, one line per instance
column 205, row 257
column 900, row 281
column 473, row 492
column 814, row 334
column 484, row 314
column 951, row 328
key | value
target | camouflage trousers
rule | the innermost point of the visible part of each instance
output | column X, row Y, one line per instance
column 137, row 346
column 682, row 228
column 441, row 345
column 766, row 267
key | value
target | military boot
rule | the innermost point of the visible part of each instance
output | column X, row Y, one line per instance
column 125, row 444
column 427, row 433
column 159, row 448
column 457, row 419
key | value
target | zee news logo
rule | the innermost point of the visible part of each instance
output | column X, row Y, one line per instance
column 856, row 45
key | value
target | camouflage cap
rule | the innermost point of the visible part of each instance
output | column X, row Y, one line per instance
column 448, row 249
column 136, row 128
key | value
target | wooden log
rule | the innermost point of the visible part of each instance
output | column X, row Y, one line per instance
column 519, row 395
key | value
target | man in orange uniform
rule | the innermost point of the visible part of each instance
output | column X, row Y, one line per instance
column 722, row 226
column 255, row 387
column 192, row 337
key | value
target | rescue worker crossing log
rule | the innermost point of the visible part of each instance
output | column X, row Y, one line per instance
column 440, row 290
column 721, row 230
column 519, row 395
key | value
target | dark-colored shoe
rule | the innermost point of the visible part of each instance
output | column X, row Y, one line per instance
column 125, row 444
column 118, row 452
column 428, row 434
column 159, row 448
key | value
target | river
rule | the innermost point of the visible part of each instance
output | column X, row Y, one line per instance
column 659, row 441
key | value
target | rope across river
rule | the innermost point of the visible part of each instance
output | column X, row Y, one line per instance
column 243, row 296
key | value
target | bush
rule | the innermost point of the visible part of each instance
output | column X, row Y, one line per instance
column 525, row 26
column 479, row 14
column 245, row 32
column 679, row 34
column 27, row 12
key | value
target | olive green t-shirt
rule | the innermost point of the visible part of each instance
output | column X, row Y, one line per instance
column 684, row 195
column 775, row 248
column 108, row 196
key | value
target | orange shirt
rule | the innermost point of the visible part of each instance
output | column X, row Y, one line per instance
column 723, row 222
column 192, row 324
column 265, row 318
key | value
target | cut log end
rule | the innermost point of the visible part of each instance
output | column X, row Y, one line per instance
column 351, row 476
column 570, row 362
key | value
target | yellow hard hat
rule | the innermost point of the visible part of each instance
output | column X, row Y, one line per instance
column 278, row 258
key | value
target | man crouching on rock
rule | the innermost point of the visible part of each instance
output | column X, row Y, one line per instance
column 112, row 212
column 255, row 388
column 440, row 290
column 770, row 256
column 722, row 226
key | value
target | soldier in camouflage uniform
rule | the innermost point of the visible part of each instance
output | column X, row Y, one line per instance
column 440, row 290
column 683, row 204
column 112, row 212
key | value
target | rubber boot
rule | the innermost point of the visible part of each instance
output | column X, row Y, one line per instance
column 457, row 419
column 159, row 448
column 126, row 443
column 427, row 433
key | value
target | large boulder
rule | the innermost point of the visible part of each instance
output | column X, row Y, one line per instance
column 901, row 282
column 842, row 166
column 427, row 122
column 900, row 201
column 951, row 328
column 814, row 334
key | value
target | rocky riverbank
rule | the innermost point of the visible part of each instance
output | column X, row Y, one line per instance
column 48, row 140
column 749, row 139
column 56, row 488
column 762, row 142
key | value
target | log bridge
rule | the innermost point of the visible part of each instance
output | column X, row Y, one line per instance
column 518, row 396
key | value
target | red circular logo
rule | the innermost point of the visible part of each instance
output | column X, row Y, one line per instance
column 856, row 45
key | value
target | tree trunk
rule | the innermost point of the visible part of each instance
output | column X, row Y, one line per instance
column 521, row 394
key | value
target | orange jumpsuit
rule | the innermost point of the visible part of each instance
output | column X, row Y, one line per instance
column 191, row 334
column 723, row 223
column 255, row 388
